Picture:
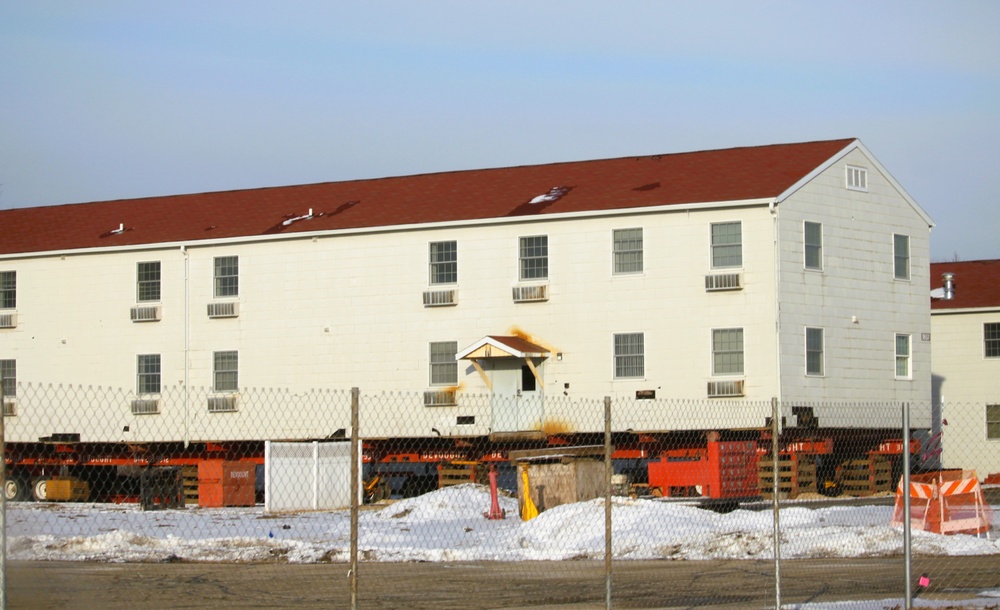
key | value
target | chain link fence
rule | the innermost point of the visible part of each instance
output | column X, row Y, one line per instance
column 609, row 498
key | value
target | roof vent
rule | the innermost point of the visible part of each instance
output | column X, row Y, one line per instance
column 554, row 193
column 292, row 219
column 946, row 292
column 116, row 231
column 949, row 286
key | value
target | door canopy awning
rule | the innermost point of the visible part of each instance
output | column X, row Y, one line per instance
column 495, row 346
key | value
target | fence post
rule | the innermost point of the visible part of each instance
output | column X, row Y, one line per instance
column 3, row 498
column 775, row 474
column 355, row 467
column 608, row 470
column 907, row 559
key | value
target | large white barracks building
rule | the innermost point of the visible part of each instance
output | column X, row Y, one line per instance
column 791, row 271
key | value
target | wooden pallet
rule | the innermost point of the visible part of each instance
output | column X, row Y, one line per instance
column 796, row 475
column 866, row 477
column 190, row 478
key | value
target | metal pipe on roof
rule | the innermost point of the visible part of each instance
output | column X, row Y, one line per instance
column 949, row 286
column 187, row 345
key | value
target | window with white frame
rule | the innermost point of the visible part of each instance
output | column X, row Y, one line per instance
column 902, row 356
column 814, row 351
column 534, row 257
column 857, row 178
column 147, row 374
column 443, row 262
column 8, row 378
column 444, row 367
column 225, row 371
column 147, row 281
column 812, row 234
column 991, row 339
column 628, row 250
column 727, row 351
column 993, row 422
column 901, row 256
column 227, row 276
column 727, row 244
column 8, row 289
column 630, row 356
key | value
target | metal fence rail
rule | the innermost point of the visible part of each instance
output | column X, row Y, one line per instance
column 623, row 495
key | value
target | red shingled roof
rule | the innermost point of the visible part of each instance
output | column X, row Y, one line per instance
column 977, row 284
column 631, row 182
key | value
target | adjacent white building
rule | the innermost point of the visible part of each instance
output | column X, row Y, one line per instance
column 965, row 323
column 793, row 271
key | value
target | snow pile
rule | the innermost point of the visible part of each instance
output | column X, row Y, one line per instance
column 449, row 525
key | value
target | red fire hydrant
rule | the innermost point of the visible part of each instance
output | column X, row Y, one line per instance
column 495, row 511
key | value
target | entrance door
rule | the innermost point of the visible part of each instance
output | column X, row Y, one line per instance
column 517, row 398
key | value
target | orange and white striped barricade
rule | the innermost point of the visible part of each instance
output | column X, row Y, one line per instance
column 922, row 515
column 963, row 508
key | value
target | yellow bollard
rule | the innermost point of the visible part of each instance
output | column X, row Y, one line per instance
column 528, row 511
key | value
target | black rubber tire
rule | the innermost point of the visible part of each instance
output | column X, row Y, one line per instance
column 15, row 489
column 39, row 490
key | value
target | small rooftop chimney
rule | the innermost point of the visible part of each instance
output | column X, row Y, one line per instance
column 949, row 286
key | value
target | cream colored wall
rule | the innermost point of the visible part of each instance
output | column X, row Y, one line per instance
column 964, row 383
column 343, row 311
column 856, row 282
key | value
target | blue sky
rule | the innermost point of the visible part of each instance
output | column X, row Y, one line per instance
column 112, row 100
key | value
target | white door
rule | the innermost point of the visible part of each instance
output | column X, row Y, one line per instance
column 517, row 397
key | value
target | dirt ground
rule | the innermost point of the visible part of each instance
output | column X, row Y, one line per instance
column 461, row 586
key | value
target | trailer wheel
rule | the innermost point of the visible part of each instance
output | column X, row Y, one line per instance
column 39, row 489
column 15, row 489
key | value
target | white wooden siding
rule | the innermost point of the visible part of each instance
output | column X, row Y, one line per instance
column 964, row 383
column 854, row 298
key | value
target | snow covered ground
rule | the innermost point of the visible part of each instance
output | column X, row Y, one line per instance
column 449, row 525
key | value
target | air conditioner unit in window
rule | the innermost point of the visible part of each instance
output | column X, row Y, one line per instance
column 9, row 406
column 224, row 309
column 8, row 320
column 528, row 294
column 725, row 389
column 439, row 398
column 222, row 404
column 440, row 298
column 145, row 406
column 145, row 313
column 723, row 281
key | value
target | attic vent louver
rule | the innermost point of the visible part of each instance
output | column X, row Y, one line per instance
column 857, row 178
